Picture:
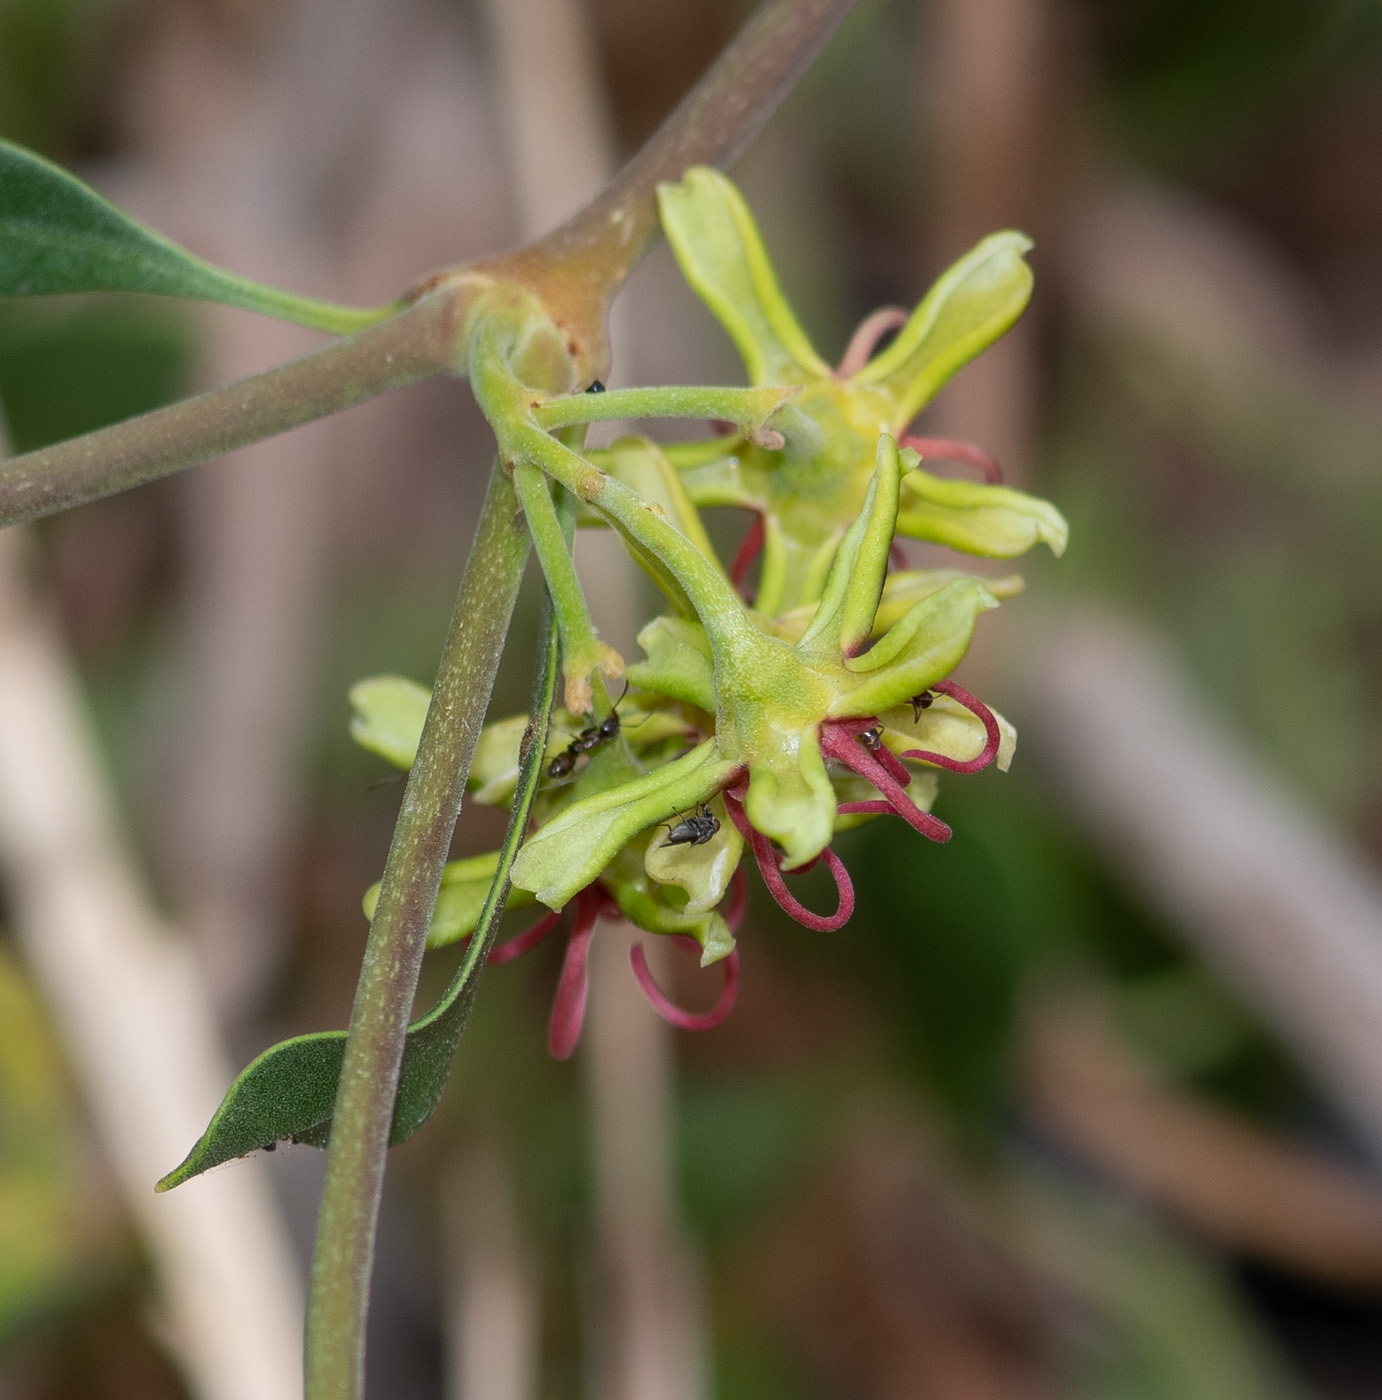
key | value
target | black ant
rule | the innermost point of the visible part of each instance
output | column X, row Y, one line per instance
column 921, row 702
column 595, row 387
column 694, row 830
column 564, row 764
column 872, row 739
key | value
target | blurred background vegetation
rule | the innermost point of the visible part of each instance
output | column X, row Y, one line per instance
column 1010, row 1133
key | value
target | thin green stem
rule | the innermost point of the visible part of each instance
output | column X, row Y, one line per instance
column 745, row 408
column 582, row 650
column 416, row 344
column 344, row 1255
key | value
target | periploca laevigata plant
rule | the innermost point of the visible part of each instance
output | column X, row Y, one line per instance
column 772, row 722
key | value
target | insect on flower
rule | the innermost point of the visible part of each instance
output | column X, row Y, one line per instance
column 694, row 830
column 591, row 737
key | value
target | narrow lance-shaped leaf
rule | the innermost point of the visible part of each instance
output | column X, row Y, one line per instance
column 59, row 235
column 290, row 1090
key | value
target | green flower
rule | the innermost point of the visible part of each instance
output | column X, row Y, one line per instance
column 772, row 700
column 770, row 726
column 806, row 493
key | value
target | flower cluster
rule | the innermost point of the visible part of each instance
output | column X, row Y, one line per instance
column 770, row 721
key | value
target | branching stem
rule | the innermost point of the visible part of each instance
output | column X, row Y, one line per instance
column 578, row 269
column 574, row 272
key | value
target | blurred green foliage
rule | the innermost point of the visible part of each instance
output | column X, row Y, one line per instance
column 48, row 55
column 72, row 364
column 1195, row 86
column 46, row 1219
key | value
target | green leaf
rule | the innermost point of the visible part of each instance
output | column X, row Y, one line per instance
column 388, row 718
column 721, row 254
column 971, row 305
column 59, row 235
column 290, row 1090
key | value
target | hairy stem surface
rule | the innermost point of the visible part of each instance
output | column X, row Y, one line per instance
column 416, row 344
column 344, row 1255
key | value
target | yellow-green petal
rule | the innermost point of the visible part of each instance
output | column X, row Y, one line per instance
column 571, row 850
column 994, row 521
column 972, row 303
column 389, row 715
column 721, row 254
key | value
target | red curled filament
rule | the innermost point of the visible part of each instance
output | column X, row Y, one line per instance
column 573, row 987
column 771, row 870
column 953, row 450
column 865, row 340
column 837, row 742
column 992, row 735
column 520, row 943
column 673, row 1014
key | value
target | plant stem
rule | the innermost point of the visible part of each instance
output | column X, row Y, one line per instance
column 575, row 271
column 578, row 268
column 344, row 1255
column 416, row 344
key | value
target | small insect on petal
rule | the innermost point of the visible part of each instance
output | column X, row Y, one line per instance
column 836, row 743
column 993, row 735
column 694, row 830
column 872, row 739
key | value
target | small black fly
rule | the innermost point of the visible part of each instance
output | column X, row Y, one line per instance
column 694, row 830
